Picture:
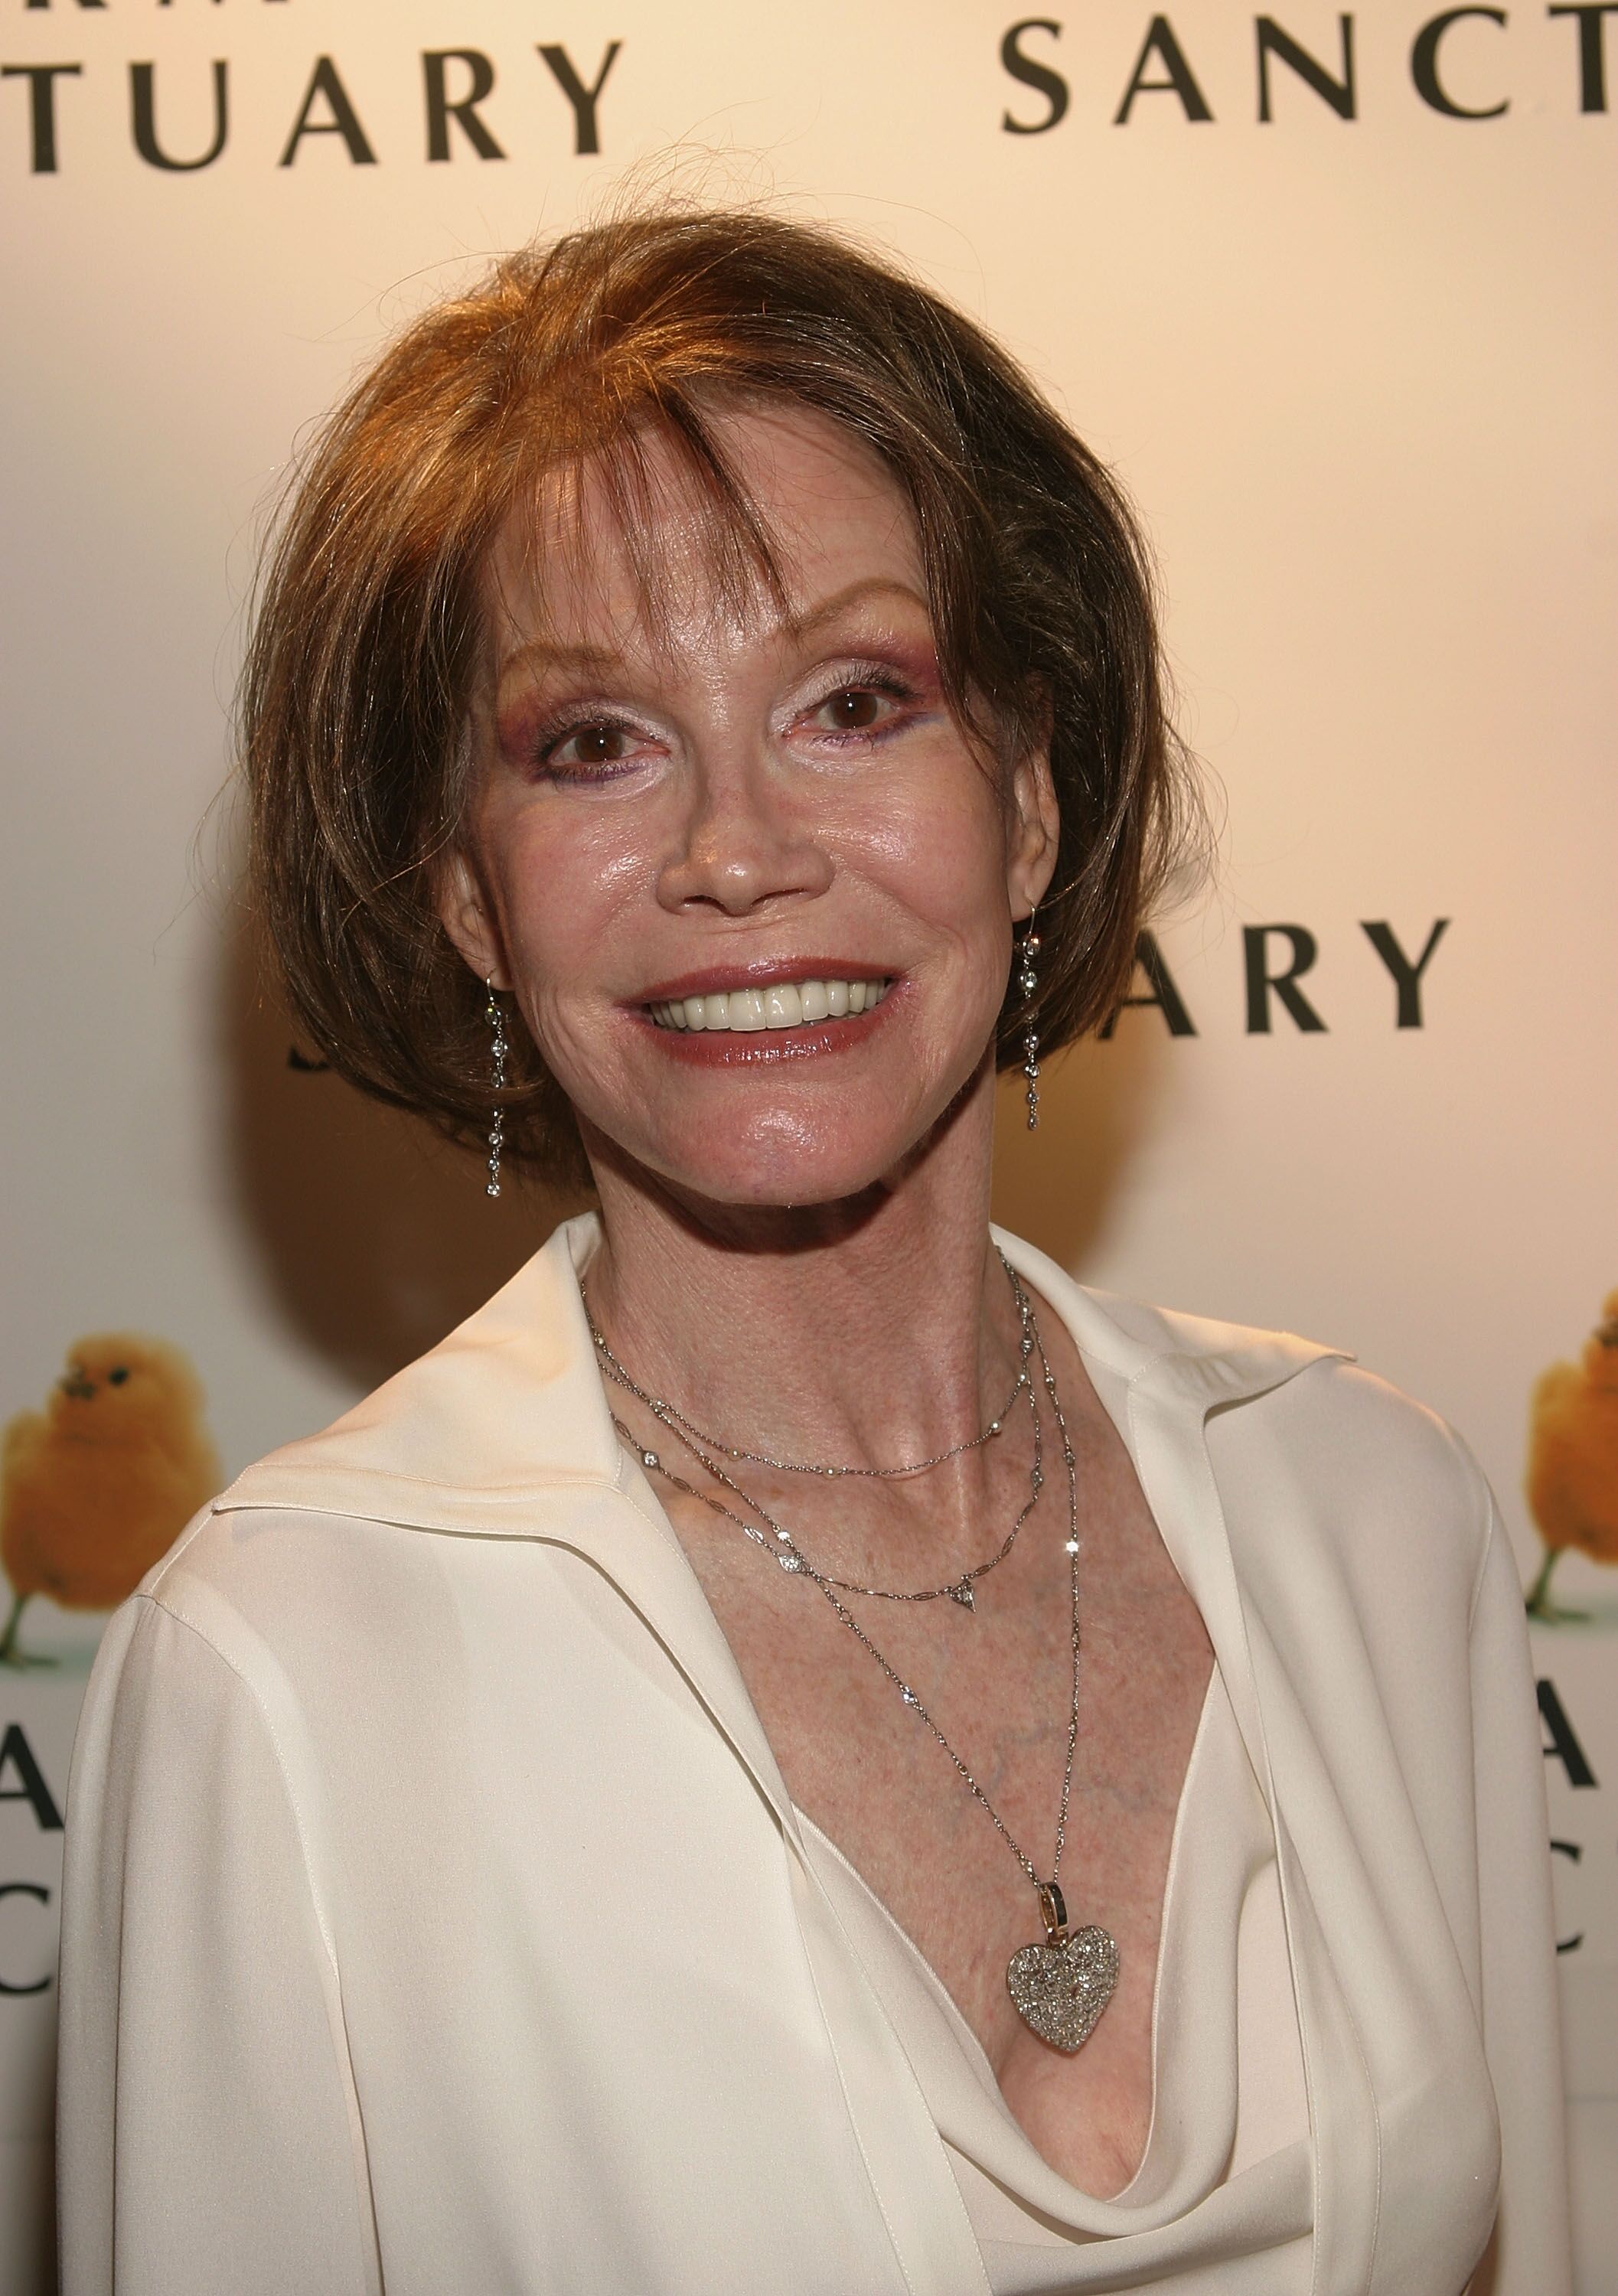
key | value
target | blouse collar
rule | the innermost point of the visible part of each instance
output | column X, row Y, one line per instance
column 511, row 1404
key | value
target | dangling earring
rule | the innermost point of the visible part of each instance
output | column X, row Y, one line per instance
column 1028, row 981
column 497, row 1130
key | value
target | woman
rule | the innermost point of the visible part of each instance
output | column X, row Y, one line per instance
column 798, row 1749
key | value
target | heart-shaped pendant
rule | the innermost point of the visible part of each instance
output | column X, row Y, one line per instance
column 1060, row 1989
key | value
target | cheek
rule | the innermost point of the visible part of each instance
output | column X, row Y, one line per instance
column 942, row 853
column 561, row 892
column 560, row 881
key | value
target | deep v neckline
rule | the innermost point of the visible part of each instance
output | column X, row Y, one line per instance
column 967, row 2107
column 905, row 1947
column 848, row 1883
column 1229, row 2136
column 885, row 1948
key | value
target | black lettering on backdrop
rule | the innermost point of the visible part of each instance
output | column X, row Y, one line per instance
column 42, row 80
column 142, row 119
column 586, row 134
column 1592, row 59
column 1407, row 972
column 16, row 1751
column 26, row 1889
column 1561, row 1740
column 1338, row 93
column 1161, row 989
column 1423, row 65
column 1181, row 81
column 1575, row 1850
column 1262, row 984
column 1050, row 84
column 464, row 109
column 344, row 121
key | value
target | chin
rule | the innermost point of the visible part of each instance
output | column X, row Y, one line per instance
column 780, row 1143
column 794, row 1157
column 764, row 1171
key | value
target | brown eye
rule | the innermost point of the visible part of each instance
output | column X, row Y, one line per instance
column 853, row 710
column 589, row 749
column 598, row 745
column 117, row 1378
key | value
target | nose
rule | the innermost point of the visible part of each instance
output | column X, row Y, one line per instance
column 743, row 845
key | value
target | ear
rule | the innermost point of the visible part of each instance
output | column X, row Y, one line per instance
column 1035, row 824
column 468, row 918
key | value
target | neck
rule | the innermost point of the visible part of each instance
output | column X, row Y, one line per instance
column 863, row 1331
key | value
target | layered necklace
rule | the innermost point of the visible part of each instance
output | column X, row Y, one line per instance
column 1060, row 1988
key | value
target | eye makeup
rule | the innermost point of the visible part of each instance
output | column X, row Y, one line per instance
column 606, row 746
column 847, row 704
column 896, row 695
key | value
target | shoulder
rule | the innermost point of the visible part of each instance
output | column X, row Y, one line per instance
column 479, row 1436
column 1320, row 1463
column 1313, row 1409
column 1339, row 1478
column 1353, row 1431
column 509, row 1405
column 250, row 1601
column 309, row 1646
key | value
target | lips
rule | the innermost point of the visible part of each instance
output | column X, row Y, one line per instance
column 776, row 1006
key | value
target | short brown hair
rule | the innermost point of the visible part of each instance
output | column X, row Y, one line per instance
column 355, row 696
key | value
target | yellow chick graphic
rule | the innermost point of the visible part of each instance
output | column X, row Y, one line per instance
column 95, row 1486
column 1573, row 1458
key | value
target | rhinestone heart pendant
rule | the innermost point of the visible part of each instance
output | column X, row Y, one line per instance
column 1060, row 1989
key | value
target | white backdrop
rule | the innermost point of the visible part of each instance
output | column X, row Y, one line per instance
column 1354, row 361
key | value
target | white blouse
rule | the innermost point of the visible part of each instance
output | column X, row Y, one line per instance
column 436, row 1918
column 1227, row 2158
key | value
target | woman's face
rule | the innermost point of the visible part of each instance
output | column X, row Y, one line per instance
column 696, row 848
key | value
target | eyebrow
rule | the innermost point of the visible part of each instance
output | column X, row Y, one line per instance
column 874, row 586
column 538, row 654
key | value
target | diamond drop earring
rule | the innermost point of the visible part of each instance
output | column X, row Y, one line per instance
column 1028, row 981
column 497, row 1130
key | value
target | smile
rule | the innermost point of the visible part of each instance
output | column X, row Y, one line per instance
column 782, row 1004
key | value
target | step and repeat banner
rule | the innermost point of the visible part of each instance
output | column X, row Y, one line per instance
column 1335, row 291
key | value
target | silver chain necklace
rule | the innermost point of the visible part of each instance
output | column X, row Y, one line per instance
column 1061, row 1987
column 786, row 1549
column 663, row 1409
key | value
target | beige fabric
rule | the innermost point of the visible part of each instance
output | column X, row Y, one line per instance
column 435, row 1918
column 1231, row 2105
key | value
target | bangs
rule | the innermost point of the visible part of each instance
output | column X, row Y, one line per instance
column 646, row 488
column 652, row 491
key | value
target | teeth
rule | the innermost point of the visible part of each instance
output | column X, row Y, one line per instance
column 785, row 1005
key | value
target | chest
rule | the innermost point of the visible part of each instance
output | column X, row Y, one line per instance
column 933, row 1801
